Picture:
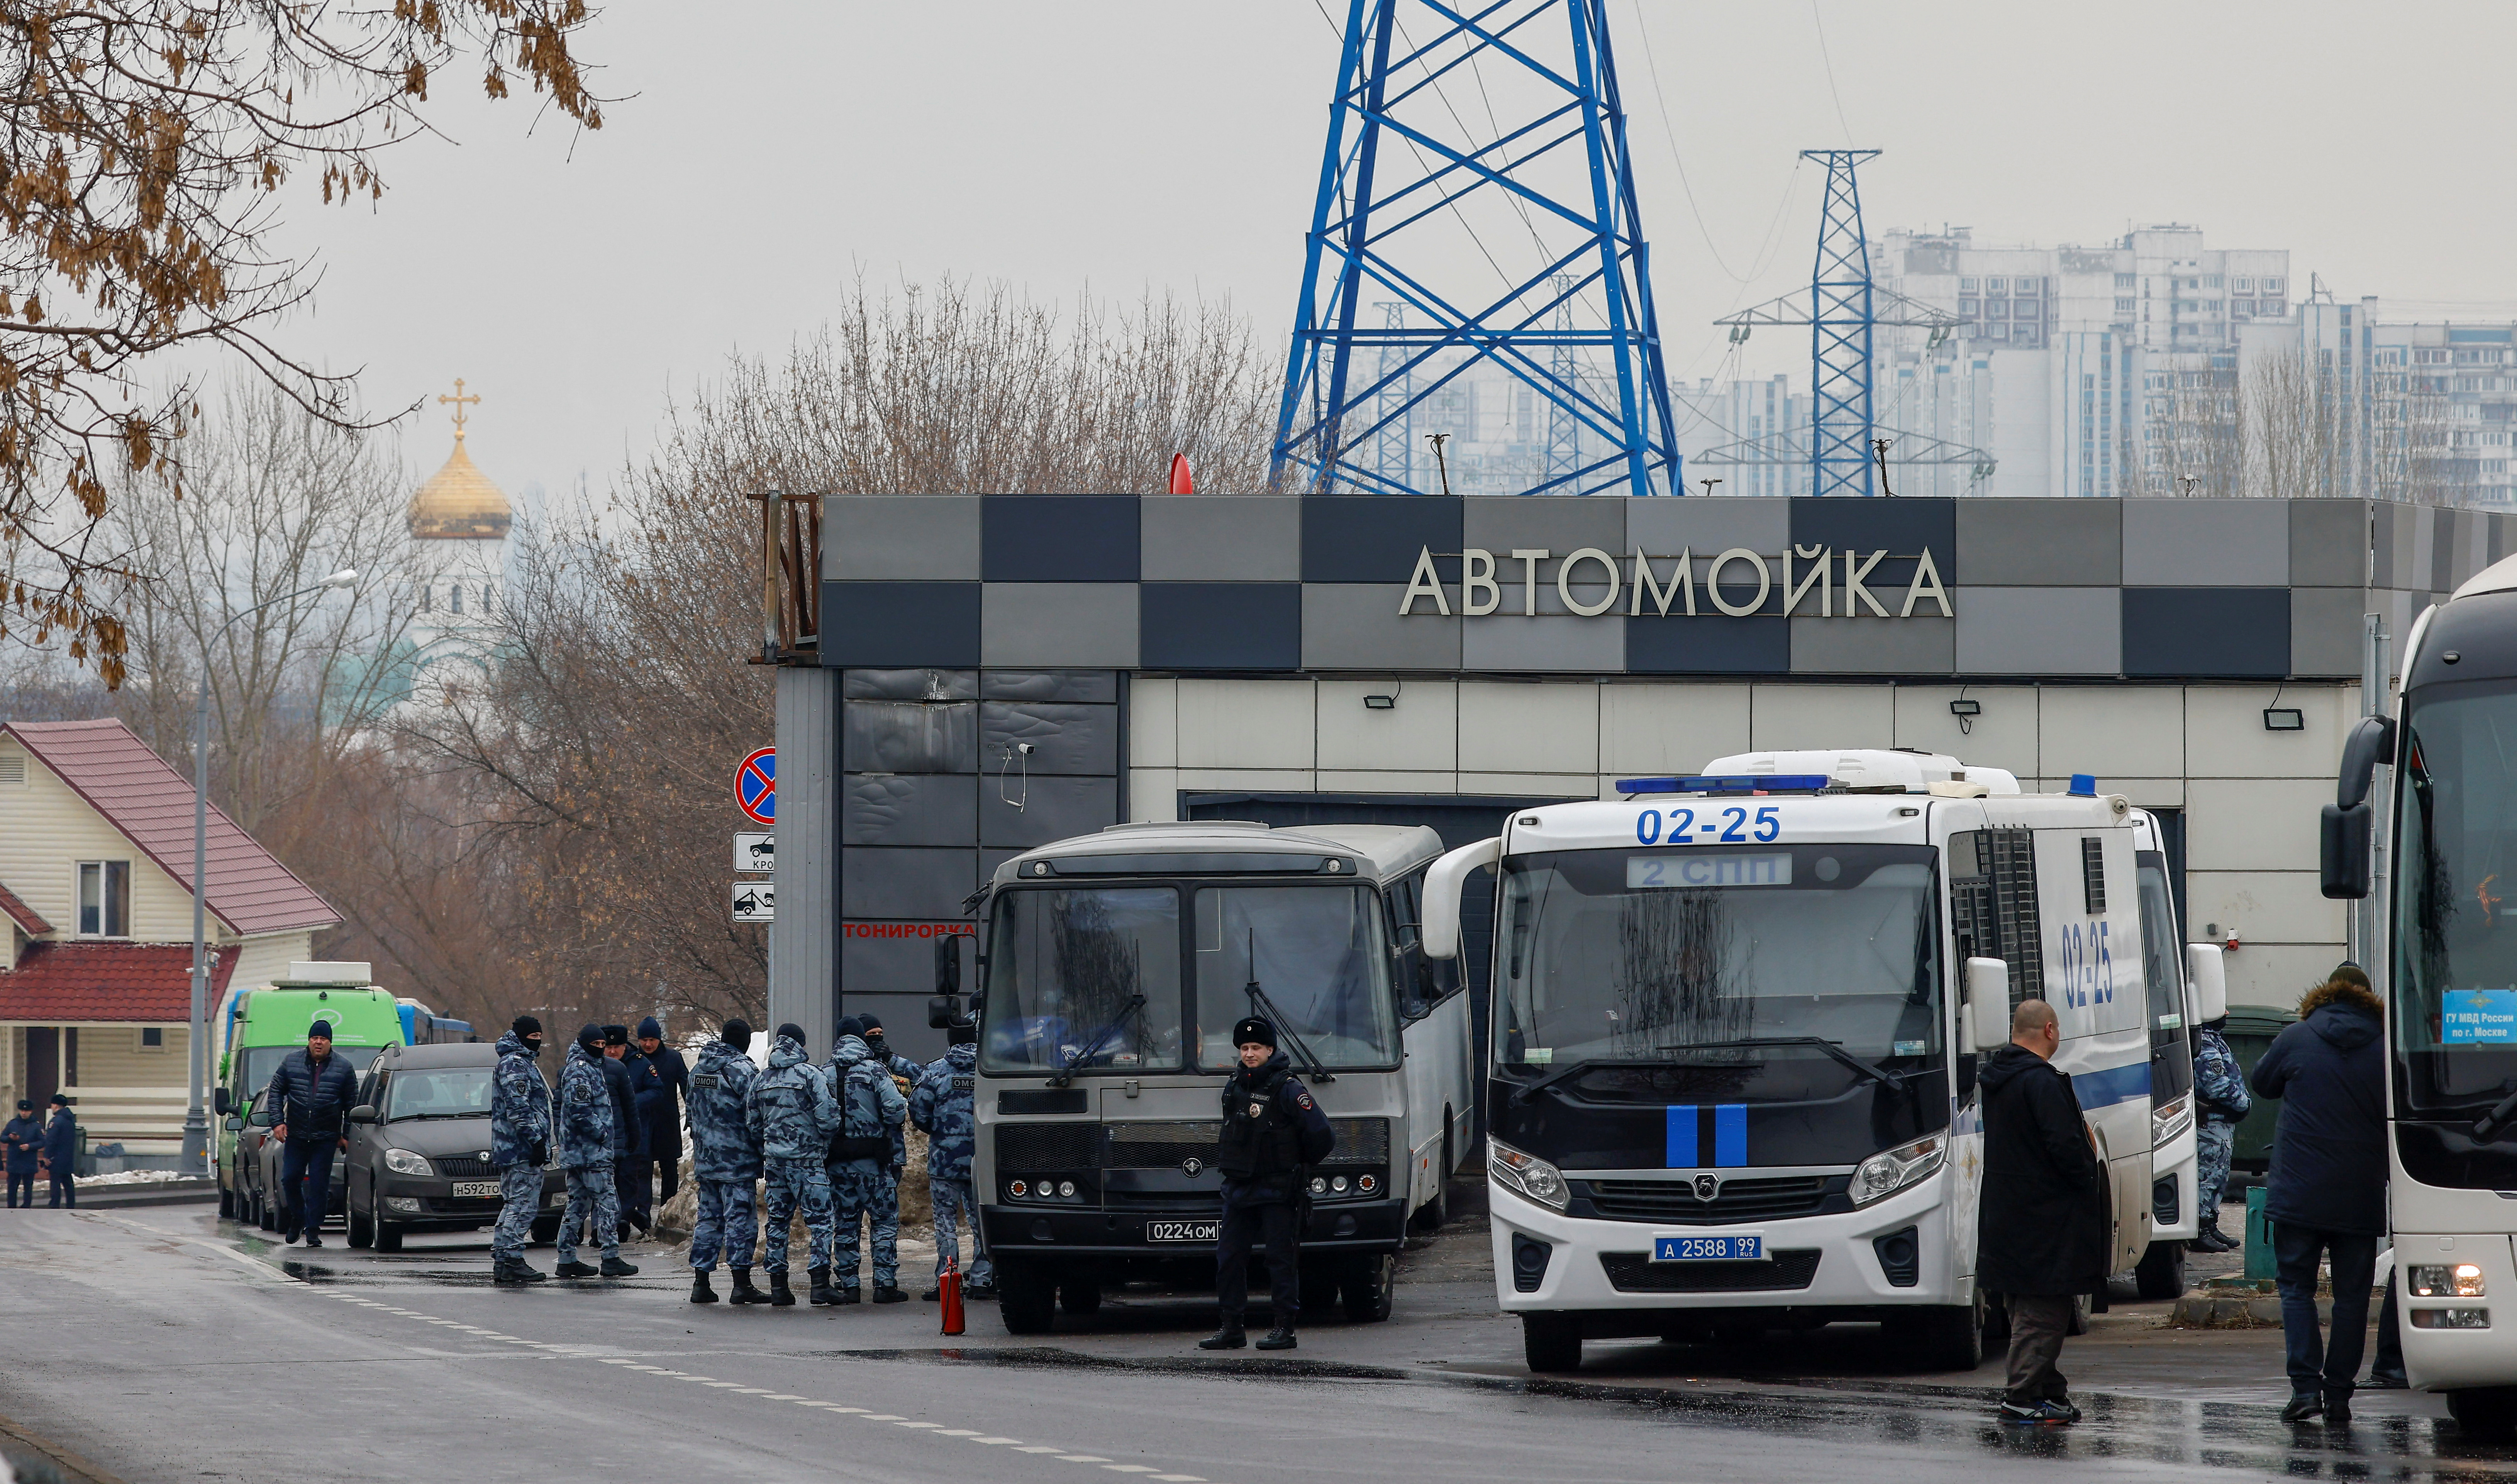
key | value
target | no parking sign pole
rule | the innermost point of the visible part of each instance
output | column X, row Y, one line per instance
column 755, row 786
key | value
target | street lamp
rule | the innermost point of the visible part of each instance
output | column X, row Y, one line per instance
column 196, row 1123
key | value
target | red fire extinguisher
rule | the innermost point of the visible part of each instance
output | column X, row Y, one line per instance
column 949, row 1289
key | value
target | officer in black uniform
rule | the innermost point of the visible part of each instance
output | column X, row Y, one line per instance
column 1272, row 1132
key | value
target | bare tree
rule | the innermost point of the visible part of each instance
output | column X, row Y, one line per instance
column 144, row 146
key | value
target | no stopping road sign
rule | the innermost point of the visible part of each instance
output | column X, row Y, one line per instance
column 755, row 786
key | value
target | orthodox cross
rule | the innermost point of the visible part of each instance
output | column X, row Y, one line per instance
column 458, row 399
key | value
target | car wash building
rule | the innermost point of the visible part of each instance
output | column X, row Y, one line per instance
column 995, row 673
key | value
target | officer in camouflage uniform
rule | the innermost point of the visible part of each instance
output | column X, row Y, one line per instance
column 2220, row 1096
column 792, row 1118
column 908, row 1072
column 519, row 1132
column 585, row 1153
column 725, row 1159
column 866, row 1160
column 942, row 1110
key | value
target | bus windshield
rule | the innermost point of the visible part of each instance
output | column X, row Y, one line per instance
column 1085, row 976
column 1321, row 971
column 2455, row 926
column 1657, row 955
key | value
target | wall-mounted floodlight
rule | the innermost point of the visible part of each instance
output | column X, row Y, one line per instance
column 1966, row 708
column 1381, row 703
column 2284, row 719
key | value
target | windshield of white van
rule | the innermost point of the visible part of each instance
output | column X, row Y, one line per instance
column 1088, row 978
column 1659, row 956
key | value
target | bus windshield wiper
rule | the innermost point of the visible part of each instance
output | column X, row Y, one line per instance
column 1834, row 1048
column 1570, row 1070
column 1258, row 1000
column 1066, row 1073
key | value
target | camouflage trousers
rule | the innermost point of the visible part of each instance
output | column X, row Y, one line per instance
column 589, row 1194
column 520, row 1186
column 2213, row 1142
column 725, row 1225
column 865, row 1191
column 797, row 1184
column 955, row 1204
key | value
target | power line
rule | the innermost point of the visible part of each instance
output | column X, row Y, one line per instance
column 1652, row 69
column 1828, row 62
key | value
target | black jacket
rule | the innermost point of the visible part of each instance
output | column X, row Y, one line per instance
column 628, row 1135
column 1266, row 1161
column 2039, row 1228
column 2329, row 1150
column 313, row 1100
column 23, row 1136
column 662, row 1109
column 61, row 1140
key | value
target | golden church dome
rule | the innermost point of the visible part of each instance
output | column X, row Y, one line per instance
column 459, row 502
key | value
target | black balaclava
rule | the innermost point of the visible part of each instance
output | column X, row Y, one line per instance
column 737, row 1033
column 590, row 1037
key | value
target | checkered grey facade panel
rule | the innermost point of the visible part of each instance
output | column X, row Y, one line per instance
column 1971, row 588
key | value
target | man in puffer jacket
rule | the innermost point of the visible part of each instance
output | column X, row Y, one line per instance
column 2327, row 1197
column 942, row 1107
column 792, row 1118
column 585, row 1154
column 725, row 1159
column 866, row 1160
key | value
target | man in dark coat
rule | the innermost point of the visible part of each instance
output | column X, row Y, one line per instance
column 310, row 1095
column 2326, row 1200
column 61, row 1152
column 662, row 1104
column 628, row 1135
column 2040, row 1242
column 1273, row 1133
column 23, row 1138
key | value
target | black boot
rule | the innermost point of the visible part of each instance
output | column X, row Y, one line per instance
column 613, row 1267
column 701, row 1293
column 573, row 1268
column 1227, row 1336
column 850, row 1294
column 780, row 1297
column 744, row 1292
column 884, row 1293
column 2337, row 1408
column 1280, row 1338
column 823, row 1295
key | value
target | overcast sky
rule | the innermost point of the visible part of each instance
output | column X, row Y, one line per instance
column 762, row 154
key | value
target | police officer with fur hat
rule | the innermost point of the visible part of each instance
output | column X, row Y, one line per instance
column 1273, row 1132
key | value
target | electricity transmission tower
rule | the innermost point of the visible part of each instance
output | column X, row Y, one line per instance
column 1393, row 454
column 1476, row 173
column 1843, row 311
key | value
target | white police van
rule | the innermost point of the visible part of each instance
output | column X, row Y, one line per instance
column 1736, row 1020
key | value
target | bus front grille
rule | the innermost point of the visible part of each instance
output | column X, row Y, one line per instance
column 1750, row 1200
column 1636, row 1273
column 1162, row 1145
column 1022, row 1147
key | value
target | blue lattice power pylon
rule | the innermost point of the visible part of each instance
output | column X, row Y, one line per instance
column 1475, row 172
column 1842, row 321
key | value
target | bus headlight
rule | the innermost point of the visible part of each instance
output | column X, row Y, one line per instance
column 1891, row 1171
column 2170, row 1118
column 403, row 1162
column 2462, row 1281
column 1527, row 1174
column 2449, row 1319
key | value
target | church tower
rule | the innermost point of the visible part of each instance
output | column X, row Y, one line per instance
column 458, row 525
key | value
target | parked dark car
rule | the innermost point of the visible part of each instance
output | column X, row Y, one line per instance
column 244, row 1130
column 420, row 1147
column 261, row 1156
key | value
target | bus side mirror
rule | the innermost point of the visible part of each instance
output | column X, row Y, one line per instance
column 1987, row 1003
column 948, row 965
column 220, row 1103
column 944, row 1012
column 2343, row 849
column 1444, row 880
column 2207, row 971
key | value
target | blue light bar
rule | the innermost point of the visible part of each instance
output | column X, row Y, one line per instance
column 1745, row 782
column 2084, row 786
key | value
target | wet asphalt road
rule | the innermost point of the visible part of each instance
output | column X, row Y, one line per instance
column 164, row 1346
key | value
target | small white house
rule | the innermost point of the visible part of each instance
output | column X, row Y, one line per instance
column 95, row 883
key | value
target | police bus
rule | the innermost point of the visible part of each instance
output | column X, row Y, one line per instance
column 1112, row 969
column 2447, row 970
column 1736, row 1020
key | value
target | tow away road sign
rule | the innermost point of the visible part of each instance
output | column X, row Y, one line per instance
column 756, row 852
column 755, row 786
column 756, row 901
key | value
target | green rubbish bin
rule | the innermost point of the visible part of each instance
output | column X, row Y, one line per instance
column 2249, row 1032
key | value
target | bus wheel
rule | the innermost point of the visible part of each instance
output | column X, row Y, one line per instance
column 2484, row 1411
column 2162, row 1274
column 1080, row 1297
column 2080, row 1323
column 1366, row 1286
column 1435, row 1213
column 1552, row 1343
column 1941, row 1338
column 1026, row 1296
column 1997, row 1322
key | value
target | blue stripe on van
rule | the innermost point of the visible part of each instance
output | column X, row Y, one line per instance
column 2116, row 1084
column 1731, row 1134
column 1682, row 1136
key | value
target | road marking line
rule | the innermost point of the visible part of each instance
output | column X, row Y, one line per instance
column 906, row 1423
column 1039, row 1448
column 958, row 1432
column 837, row 1406
column 1080, row 1458
column 616, row 1360
column 751, row 1390
column 883, row 1416
column 784, row 1397
column 723, row 1384
column 997, row 1442
column 1128, row 1468
column 1179, row 1478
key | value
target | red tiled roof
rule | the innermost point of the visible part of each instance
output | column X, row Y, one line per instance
column 20, row 913
column 108, row 765
column 69, row 983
